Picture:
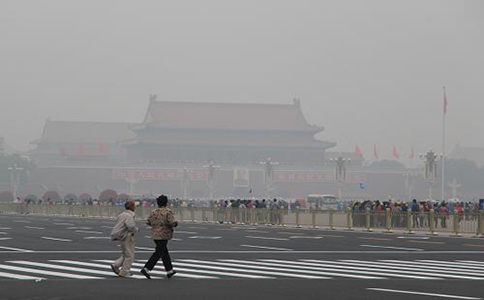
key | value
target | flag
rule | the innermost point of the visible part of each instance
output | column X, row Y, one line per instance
column 375, row 153
column 395, row 153
column 445, row 102
column 412, row 154
column 358, row 152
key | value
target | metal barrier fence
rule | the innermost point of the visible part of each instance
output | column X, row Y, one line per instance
column 386, row 221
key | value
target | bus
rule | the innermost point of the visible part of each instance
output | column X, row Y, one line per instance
column 324, row 202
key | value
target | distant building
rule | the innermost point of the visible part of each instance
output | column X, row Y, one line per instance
column 228, row 133
column 474, row 154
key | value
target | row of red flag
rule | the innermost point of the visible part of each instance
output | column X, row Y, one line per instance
column 395, row 153
column 101, row 148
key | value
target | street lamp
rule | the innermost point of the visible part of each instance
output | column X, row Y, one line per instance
column 430, row 170
column 211, row 176
column 340, row 171
column 15, row 178
column 269, row 174
column 409, row 184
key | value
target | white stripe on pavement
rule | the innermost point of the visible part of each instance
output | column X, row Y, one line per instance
column 178, row 274
column 15, row 249
column 416, row 268
column 97, row 238
column 86, row 264
column 424, row 294
column 44, row 272
column 3, row 233
column 66, row 224
column 33, row 227
column 246, row 268
column 5, row 228
column 217, row 271
column 449, row 264
column 388, row 247
column 86, row 231
column 350, row 269
column 266, row 238
column 449, row 268
column 4, row 239
column 268, row 248
column 55, row 239
column 323, row 271
column 21, row 277
column 59, row 267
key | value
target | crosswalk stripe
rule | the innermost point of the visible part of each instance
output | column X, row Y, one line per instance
column 178, row 274
column 195, row 268
column 416, row 269
column 59, row 267
column 44, row 272
column 449, row 264
column 301, row 268
column 390, row 273
column 86, row 264
column 472, row 262
column 439, row 267
column 356, row 270
column 21, row 277
column 246, row 268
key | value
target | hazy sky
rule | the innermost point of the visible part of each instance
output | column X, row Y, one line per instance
column 368, row 71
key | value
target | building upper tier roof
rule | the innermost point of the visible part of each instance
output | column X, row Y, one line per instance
column 59, row 132
column 227, row 116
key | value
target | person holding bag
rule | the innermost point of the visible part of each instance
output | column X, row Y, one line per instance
column 162, row 222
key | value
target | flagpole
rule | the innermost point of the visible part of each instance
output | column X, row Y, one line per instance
column 444, row 112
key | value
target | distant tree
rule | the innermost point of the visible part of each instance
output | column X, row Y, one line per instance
column 51, row 196
column 108, row 195
column 83, row 198
column 388, row 165
column 6, row 196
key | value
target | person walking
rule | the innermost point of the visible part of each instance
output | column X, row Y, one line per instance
column 123, row 231
column 162, row 222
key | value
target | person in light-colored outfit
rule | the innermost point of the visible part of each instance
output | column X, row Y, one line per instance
column 123, row 232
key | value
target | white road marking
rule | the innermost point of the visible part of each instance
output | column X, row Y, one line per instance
column 268, row 248
column 109, row 227
column 266, row 238
column 15, row 249
column 407, row 266
column 4, row 239
column 423, row 294
column 186, row 232
column 59, row 267
column 64, row 224
column 205, row 237
column 144, row 248
column 351, row 268
column 179, row 274
column 55, row 239
column 299, row 267
column 306, row 237
column 396, row 248
column 82, row 228
column 86, row 264
column 5, row 228
column 21, row 277
column 33, row 227
column 97, row 238
column 413, row 237
column 92, row 232
column 20, row 221
column 448, row 265
column 3, row 233
column 245, row 267
column 44, row 272
column 262, row 251
column 472, row 262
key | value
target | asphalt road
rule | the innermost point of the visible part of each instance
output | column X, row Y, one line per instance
column 68, row 258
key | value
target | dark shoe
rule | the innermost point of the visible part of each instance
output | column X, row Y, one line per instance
column 145, row 272
column 115, row 270
column 170, row 274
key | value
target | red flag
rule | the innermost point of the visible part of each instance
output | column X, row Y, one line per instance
column 412, row 154
column 358, row 152
column 445, row 102
column 395, row 153
column 375, row 153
